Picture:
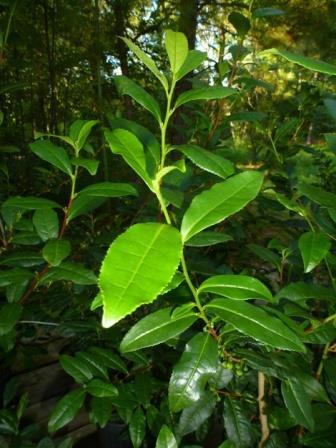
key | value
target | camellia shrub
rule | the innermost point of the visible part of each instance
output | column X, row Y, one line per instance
column 186, row 351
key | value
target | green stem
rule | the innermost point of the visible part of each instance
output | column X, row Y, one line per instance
column 324, row 357
column 193, row 291
column 164, row 125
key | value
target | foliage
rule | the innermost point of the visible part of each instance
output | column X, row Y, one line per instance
column 192, row 281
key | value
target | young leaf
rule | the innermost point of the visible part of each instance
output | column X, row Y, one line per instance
column 177, row 49
column 239, row 287
column 156, row 328
column 137, row 266
column 99, row 388
column 208, row 161
column 128, row 87
column 89, row 164
column 46, row 224
column 193, row 60
column 149, row 63
column 66, row 409
column 237, row 424
column 314, row 248
column 197, row 365
column 94, row 195
column 55, row 251
column 79, row 132
column 128, row 145
column 196, row 414
column 222, row 200
column 298, row 403
column 204, row 93
column 256, row 323
column 76, row 368
column 166, row 438
column 309, row 63
column 53, row 154
column 10, row 313
column 137, row 428
column 208, row 238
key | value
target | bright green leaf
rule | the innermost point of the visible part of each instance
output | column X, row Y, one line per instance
column 204, row 93
column 89, row 164
column 240, row 287
column 177, row 49
column 79, row 132
column 222, row 200
column 166, row 438
column 137, row 266
column 193, row 60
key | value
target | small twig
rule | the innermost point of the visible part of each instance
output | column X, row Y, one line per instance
column 265, row 432
column 37, row 322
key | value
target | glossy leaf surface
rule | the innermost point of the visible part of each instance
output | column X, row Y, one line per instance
column 66, row 409
column 156, row 328
column 196, row 366
column 55, row 251
column 298, row 403
column 237, row 424
column 166, row 438
column 256, row 323
column 208, row 161
column 46, row 224
column 53, row 154
column 222, row 200
column 240, row 287
column 137, row 266
column 314, row 248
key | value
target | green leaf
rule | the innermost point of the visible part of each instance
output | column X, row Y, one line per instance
column 197, row 365
column 204, row 93
column 222, row 200
column 303, row 61
column 149, row 63
column 208, row 238
column 240, row 22
column 166, row 438
column 10, row 313
column 89, row 164
column 79, row 132
column 29, row 203
column 109, row 359
column 66, row 409
column 266, row 254
column 301, row 291
column 318, row 195
column 101, row 410
column 77, row 368
column 208, row 161
column 177, row 49
column 193, row 60
column 267, row 12
column 156, row 328
column 146, row 137
column 137, row 428
column 239, row 287
column 298, row 403
column 55, row 251
column 314, row 248
column 53, row 154
column 94, row 195
column 256, row 323
column 14, row 276
column 93, row 362
column 193, row 417
column 72, row 272
column 237, row 424
column 137, row 266
column 46, row 224
column 128, row 145
column 128, row 87
column 99, row 388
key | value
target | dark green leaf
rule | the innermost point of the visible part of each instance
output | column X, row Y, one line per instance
column 256, row 323
column 208, row 238
column 79, row 132
column 46, row 224
column 72, row 272
column 166, row 438
column 55, row 251
column 237, row 424
column 101, row 410
column 137, row 428
column 193, row 60
column 204, row 93
column 99, row 388
column 156, row 328
column 66, row 409
column 193, row 417
column 53, row 154
column 10, row 313
column 314, row 248
column 298, row 403
column 76, row 368
column 197, row 365
column 89, row 164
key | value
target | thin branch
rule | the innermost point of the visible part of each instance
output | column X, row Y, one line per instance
column 265, row 432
